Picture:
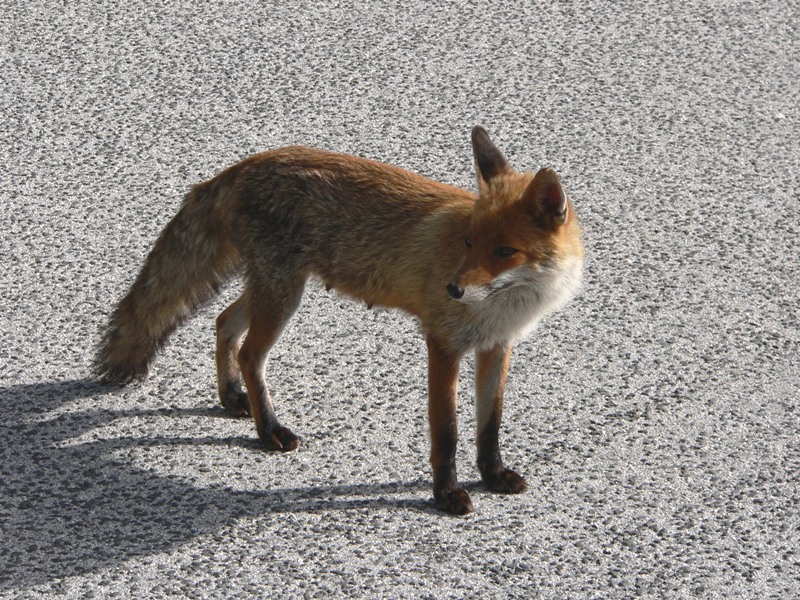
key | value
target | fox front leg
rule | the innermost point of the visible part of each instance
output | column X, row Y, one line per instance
column 442, row 390
column 491, row 369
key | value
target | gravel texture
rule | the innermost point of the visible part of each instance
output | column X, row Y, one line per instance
column 656, row 418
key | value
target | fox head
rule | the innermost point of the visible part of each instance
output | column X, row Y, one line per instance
column 523, row 229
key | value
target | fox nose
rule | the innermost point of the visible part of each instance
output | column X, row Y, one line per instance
column 455, row 291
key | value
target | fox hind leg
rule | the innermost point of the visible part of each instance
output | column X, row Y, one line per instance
column 269, row 309
column 231, row 327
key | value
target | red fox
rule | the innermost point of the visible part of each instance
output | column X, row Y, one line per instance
column 477, row 271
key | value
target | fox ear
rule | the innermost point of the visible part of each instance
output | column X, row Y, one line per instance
column 489, row 161
column 546, row 196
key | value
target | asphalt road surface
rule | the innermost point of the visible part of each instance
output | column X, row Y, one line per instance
column 655, row 418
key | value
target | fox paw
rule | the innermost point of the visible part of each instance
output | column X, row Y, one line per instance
column 505, row 481
column 454, row 501
column 280, row 438
column 235, row 401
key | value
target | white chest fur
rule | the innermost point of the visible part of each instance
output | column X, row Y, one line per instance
column 512, row 305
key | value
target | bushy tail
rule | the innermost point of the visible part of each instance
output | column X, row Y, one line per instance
column 191, row 259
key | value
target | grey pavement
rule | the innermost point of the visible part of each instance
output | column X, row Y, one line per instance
column 656, row 418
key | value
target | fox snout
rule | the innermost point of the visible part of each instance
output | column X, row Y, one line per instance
column 468, row 293
column 455, row 291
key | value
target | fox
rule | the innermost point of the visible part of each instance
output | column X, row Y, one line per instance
column 478, row 271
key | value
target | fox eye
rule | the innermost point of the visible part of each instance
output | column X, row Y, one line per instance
column 468, row 242
column 506, row 251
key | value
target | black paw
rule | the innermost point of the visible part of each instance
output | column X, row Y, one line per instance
column 454, row 501
column 505, row 481
column 235, row 401
column 280, row 438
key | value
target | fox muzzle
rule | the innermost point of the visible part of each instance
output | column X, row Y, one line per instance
column 455, row 291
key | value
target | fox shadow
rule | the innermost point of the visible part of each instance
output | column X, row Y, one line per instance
column 72, row 508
